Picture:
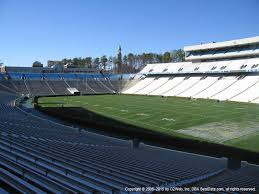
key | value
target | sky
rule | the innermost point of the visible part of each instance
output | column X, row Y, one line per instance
column 55, row 29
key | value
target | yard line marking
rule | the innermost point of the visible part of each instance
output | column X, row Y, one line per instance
column 96, row 105
column 108, row 107
column 142, row 114
column 124, row 110
column 136, row 121
column 167, row 119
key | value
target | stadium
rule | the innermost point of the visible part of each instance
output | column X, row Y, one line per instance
column 169, row 127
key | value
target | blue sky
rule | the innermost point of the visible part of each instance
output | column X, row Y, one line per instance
column 54, row 29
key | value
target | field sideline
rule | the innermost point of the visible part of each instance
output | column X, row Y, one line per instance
column 229, row 123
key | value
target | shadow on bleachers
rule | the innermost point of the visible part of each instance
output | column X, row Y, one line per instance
column 116, row 128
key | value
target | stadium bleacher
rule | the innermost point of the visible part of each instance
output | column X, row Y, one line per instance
column 219, row 80
column 57, row 84
column 1, row 77
column 80, row 161
column 247, row 175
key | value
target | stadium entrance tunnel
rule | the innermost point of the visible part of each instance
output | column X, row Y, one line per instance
column 135, row 143
column 84, row 118
column 233, row 164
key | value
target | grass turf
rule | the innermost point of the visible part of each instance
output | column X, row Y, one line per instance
column 175, row 116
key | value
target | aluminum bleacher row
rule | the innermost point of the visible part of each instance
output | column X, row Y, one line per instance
column 245, row 180
column 57, row 84
column 235, row 80
column 247, row 175
column 237, row 65
column 40, row 156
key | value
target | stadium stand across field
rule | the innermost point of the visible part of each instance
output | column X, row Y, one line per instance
column 39, row 155
column 58, row 84
column 214, row 73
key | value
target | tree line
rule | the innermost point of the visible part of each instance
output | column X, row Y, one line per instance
column 131, row 62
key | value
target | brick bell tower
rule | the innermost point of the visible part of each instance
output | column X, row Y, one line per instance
column 119, row 68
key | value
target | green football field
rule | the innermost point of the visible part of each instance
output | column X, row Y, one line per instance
column 229, row 123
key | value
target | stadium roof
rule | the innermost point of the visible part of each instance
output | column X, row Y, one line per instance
column 231, row 43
